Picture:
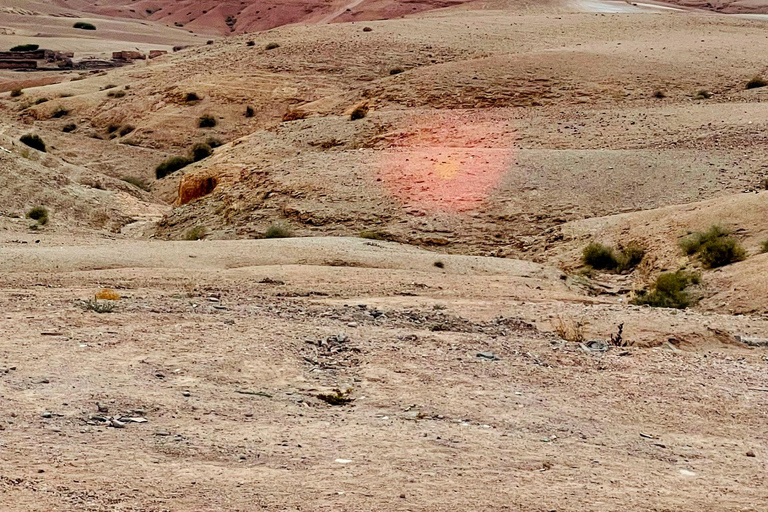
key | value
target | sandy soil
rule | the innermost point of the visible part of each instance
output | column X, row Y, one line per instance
column 434, row 279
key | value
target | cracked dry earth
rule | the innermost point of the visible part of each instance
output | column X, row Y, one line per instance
column 224, row 352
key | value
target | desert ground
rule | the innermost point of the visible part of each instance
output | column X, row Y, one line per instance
column 389, row 312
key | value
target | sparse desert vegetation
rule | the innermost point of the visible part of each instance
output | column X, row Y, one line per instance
column 714, row 247
column 207, row 121
column 39, row 214
column 278, row 230
column 670, row 290
column 603, row 257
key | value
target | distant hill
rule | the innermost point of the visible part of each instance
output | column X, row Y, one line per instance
column 237, row 17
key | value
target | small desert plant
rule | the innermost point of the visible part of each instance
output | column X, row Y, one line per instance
column 439, row 264
column 396, row 71
column 84, row 26
column 715, row 247
column 249, row 112
column 669, row 291
column 277, row 230
column 214, row 142
column 16, row 92
column 599, row 256
column 250, row 43
column 69, row 127
column 659, row 94
column 764, row 246
column 116, row 94
column 99, row 307
column 629, row 257
column 39, row 214
column 756, row 82
column 191, row 97
column 358, row 112
column 59, row 112
column 569, row 329
column 702, row 94
column 602, row 257
column 171, row 165
column 338, row 397
column 25, row 48
column 136, row 182
column 107, row 294
column 34, row 141
column 206, row 121
column 200, row 151
column 618, row 340
column 195, row 233
column 272, row 46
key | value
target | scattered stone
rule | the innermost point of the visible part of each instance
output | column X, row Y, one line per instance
column 102, row 407
column 116, row 423
column 343, row 461
column 752, row 342
column 47, row 414
column 750, row 453
column 685, row 472
column 352, row 324
column 488, row 355
column 594, row 346
column 162, row 433
column 647, row 436
column 186, row 393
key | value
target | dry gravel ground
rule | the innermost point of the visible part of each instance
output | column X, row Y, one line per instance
column 226, row 365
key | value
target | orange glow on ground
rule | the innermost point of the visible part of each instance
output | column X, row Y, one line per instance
column 443, row 178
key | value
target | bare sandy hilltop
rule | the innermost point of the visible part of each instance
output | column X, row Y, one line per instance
column 382, row 255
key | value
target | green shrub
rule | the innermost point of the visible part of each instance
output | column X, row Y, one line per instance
column 171, row 165
column 196, row 233
column 278, row 230
column 25, row 48
column 721, row 252
column 603, row 257
column 272, row 46
column 200, row 151
column 136, row 182
column 207, row 121
column 16, row 92
column 599, row 256
column 40, row 214
column 249, row 112
column 630, row 257
column 359, row 113
column 34, row 141
column 84, row 26
column 764, row 246
column 70, row 127
column 714, row 247
column 669, row 291
column 756, row 82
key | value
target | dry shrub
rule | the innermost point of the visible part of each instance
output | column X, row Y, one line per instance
column 569, row 329
column 107, row 294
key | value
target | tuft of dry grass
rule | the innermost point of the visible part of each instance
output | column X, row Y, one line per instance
column 570, row 329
